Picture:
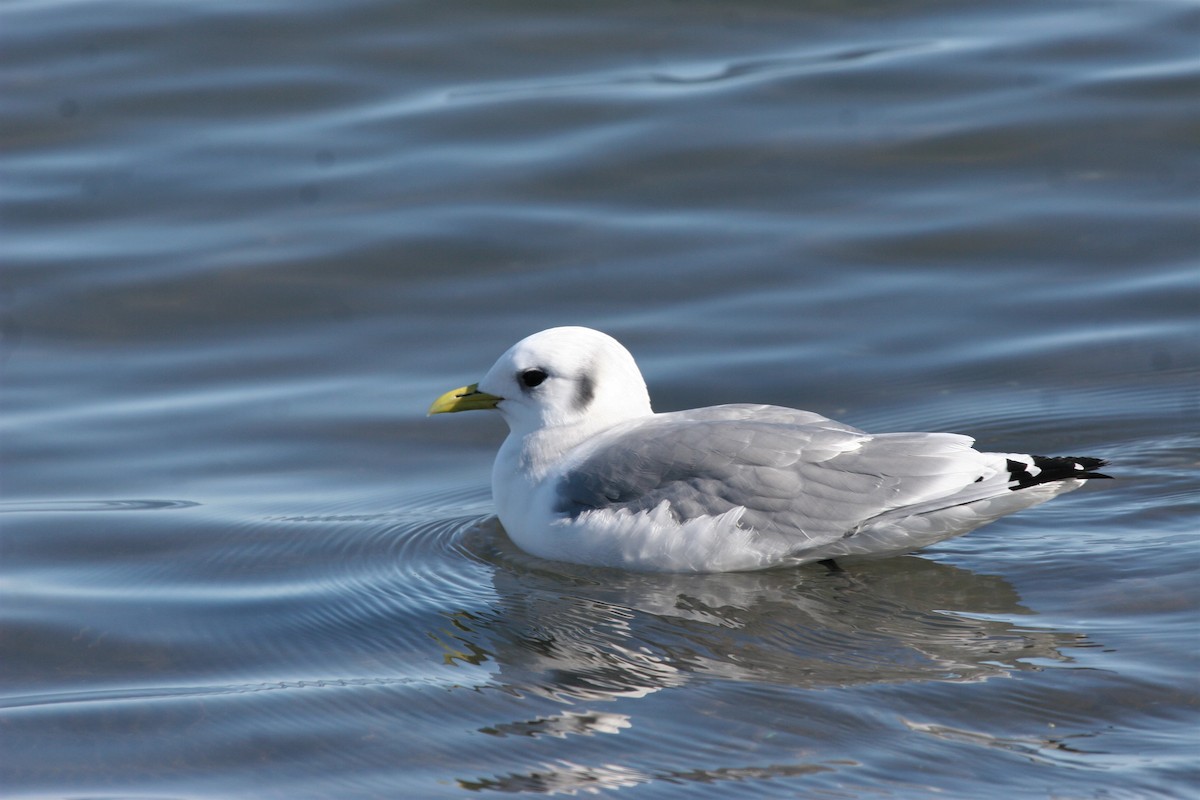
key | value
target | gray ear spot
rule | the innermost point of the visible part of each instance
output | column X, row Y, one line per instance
column 585, row 392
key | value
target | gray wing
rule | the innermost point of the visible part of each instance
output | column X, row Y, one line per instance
column 800, row 476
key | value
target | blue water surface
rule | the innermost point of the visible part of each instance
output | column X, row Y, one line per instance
column 244, row 246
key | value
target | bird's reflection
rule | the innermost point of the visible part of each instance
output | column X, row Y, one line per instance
column 582, row 634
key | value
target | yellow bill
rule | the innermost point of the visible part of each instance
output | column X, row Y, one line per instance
column 466, row 398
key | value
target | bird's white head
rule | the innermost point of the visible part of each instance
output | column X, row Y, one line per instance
column 561, row 377
column 565, row 377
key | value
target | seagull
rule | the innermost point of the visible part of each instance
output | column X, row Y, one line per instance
column 590, row 474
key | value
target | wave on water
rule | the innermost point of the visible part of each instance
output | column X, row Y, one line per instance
column 69, row 506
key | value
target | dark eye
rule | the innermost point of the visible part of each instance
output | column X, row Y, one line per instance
column 532, row 377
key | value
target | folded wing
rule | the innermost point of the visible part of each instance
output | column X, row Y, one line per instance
column 800, row 477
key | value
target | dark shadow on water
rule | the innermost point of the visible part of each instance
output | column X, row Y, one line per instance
column 577, row 634
column 577, row 631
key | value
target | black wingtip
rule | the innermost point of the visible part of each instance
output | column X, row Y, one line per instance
column 1044, row 469
column 1086, row 467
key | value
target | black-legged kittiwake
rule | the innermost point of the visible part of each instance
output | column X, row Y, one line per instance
column 589, row 474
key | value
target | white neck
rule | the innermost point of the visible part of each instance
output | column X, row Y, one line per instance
column 526, row 461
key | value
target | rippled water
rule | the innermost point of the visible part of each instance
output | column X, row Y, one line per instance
column 245, row 245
